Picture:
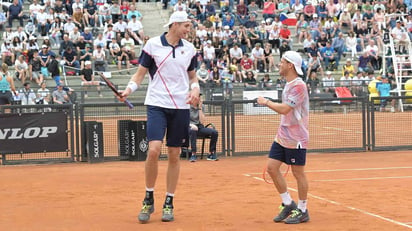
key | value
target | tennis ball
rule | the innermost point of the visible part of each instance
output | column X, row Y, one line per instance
column 409, row 93
column 374, row 95
column 408, row 85
column 372, row 86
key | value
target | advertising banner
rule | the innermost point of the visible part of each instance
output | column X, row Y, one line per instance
column 33, row 132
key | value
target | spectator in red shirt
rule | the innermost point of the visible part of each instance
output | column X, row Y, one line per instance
column 246, row 64
column 308, row 11
column 284, row 35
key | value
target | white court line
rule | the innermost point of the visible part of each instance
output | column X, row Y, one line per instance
column 353, row 208
column 369, row 178
column 348, row 169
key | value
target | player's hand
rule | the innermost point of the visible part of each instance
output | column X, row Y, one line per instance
column 193, row 96
column 262, row 101
column 123, row 94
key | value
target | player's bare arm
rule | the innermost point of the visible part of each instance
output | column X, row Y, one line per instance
column 134, row 82
column 193, row 97
column 280, row 108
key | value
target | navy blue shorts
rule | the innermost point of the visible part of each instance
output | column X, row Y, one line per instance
column 172, row 122
column 287, row 155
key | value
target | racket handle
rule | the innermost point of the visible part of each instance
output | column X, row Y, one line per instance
column 130, row 105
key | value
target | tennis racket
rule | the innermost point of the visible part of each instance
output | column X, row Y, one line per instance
column 284, row 169
column 113, row 88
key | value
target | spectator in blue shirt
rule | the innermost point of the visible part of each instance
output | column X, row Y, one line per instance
column 384, row 89
column 15, row 12
column 328, row 55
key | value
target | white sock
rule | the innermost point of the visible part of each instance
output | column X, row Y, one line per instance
column 302, row 205
column 286, row 199
column 170, row 194
column 149, row 189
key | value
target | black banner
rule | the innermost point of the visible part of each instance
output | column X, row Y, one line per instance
column 138, row 144
column 33, row 132
column 124, row 138
column 94, row 148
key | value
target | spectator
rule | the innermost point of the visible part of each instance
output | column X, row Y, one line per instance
column 68, row 26
column 242, row 12
column 215, row 77
column 274, row 38
column 180, row 6
column 321, row 10
column 253, row 8
column 70, row 59
column 74, row 35
column 356, row 84
column 114, row 50
column 85, row 54
column 269, row 58
column 345, row 80
column 90, row 13
column 27, row 95
column 60, row 96
column 314, row 27
column 135, row 29
column 328, row 56
column 301, row 28
column 401, row 37
column 109, row 34
column 314, row 63
column 197, row 128
column 54, row 69
column 338, row 45
column 328, row 83
column 22, row 69
column 285, row 35
column 209, row 54
column 81, row 45
column 104, row 14
column 99, row 57
column 17, row 46
column 227, row 79
column 43, row 94
column 35, row 68
column 345, row 20
column 202, row 75
column 310, row 12
column 228, row 20
column 266, row 82
column 66, row 43
column 250, row 81
column 120, row 27
column 100, row 40
column 373, row 52
column 364, row 62
column 283, row 48
column 15, row 12
column 21, row 34
column 7, row 54
column 297, row 8
column 269, row 9
column 87, row 77
column 258, row 57
column 283, row 7
column 348, row 67
column 42, row 23
column 209, row 9
column 88, row 35
column 351, row 43
column 313, row 83
column 44, row 55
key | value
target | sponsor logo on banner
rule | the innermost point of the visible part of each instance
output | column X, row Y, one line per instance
column 33, row 132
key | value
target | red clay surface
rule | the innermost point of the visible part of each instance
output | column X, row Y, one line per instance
column 357, row 191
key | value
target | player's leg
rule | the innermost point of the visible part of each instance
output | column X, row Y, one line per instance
column 276, row 158
column 177, row 135
column 156, row 128
column 300, row 214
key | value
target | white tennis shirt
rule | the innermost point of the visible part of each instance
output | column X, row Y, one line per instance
column 168, row 69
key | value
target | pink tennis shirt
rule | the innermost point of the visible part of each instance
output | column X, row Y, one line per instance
column 293, row 131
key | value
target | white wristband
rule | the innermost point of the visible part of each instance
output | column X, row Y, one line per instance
column 133, row 86
column 194, row 85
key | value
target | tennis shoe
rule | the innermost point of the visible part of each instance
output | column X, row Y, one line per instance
column 285, row 211
column 212, row 157
column 147, row 209
column 193, row 158
column 297, row 217
column 168, row 213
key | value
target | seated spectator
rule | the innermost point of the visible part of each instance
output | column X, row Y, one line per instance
column 70, row 59
column 269, row 58
column 246, row 64
column 384, row 89
column 258, row 57
column 351, row 43
column 283, row 7
column 250, row 81
column 348, row 67
column 302, row 27
column 328, row 56
column 78, row 18
column 197, row 128
column 328, row 83
column 284, row 47
column 209, row 54
column 356, row 84
column 266, row 82
column 345, row 80
column 87, row 76
column 104, row 14
column 99, row 57
column 88, row 35
column 373, row 52
column 297, row 9
column 35, row 68
column 90, row 13
column 234, row 69
column 338, row 45
column 7, row 54
column 100, row 40
column 242, row 12
column 345, row 20
column 66, row 43
column 43, row 94
column 43, row 25
column 135, row 29
column 215, row 77
column 75, row 35
column 321, row 10
column 60, row 96
column 269, row 9
column 27, row 95
column 364, row 62
column 400, row 37
column 309, row 11
column 313, row 83
column 15, row 12
column 227, row 79
column 54, row 69
column 85, row 55
column 285, row 35
column 314, row 27
column 22, row 69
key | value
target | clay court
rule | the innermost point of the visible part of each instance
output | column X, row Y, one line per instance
column 356, row 191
